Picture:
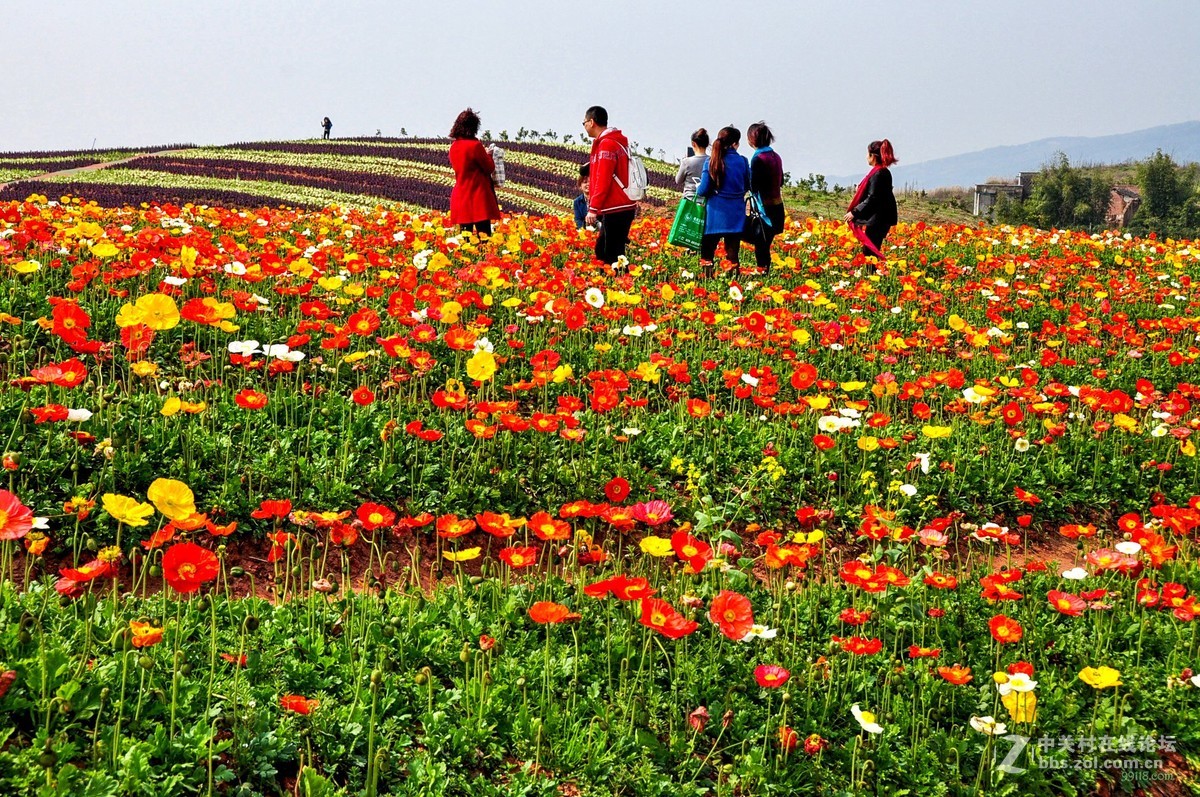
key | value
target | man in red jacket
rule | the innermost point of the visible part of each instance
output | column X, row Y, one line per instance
column 609, row 172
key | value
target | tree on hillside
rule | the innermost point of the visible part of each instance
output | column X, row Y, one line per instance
column 1067, row 196
column 1170, row 205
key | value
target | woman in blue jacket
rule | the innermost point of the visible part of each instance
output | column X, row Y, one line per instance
column 724, row 183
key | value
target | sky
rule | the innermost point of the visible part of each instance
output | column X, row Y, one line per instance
column 936, row 77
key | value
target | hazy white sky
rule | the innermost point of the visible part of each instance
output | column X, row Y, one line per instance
column 937, row 77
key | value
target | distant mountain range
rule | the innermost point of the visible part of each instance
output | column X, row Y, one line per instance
column 1180, row 141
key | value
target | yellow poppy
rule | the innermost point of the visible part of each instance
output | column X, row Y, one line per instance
column 157, row 311
column 656, row 546
column 937, row 431
column 124, row 509
column 1100, row 677
column 465, row 555
column 173, row 498
column 482, row 365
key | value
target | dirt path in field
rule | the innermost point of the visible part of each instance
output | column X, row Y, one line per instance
column 91, row 167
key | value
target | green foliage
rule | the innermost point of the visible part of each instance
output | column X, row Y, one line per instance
column 1068, row 197
column 1170, row 203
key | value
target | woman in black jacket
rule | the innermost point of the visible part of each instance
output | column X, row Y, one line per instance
column 872, row 212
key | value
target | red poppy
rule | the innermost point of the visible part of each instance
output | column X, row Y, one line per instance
column 278, row 510
column 1026, row 497
column 698, row 408
column 694, row 551
column 363, row 396
column 617, row 490
column 860, row 646
column 918, row 652
column 220, row 531
column 662, row 617
column 771, row 676
column 1066, row 603
column 653, row 513
column 343, row 534
column 237, row 661
column 621, row 587
column 1005, row 630
column 957, row 675
column 16, row 519
column 516, row 558
column 550, row 613
column 251, row 399
column 733, row 613
column 297, row 703
column 546, row 527
column 450, row 526
column 374, row 516
column 187, row 567
column 823, row 442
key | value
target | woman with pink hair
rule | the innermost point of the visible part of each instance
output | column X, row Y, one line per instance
column 872, row 212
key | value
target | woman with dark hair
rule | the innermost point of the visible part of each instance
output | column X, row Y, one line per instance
column 766, row 191
column 473, row 205
column 724, row 181
column 873, row 212
column 688, row 176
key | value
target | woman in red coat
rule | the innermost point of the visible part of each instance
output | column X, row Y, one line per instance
column 473, row 199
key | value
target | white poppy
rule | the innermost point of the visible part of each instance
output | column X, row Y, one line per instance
column 78, row 416
column 1128, row 547
column 243, row 347
column 1075, row 574
column 989, row 726
column 594, row 297
column 866, row 719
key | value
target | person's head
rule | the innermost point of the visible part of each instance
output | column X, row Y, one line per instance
column 700, row 141
column 595, row 119
column 584, row 172
column 759, row 135
column 879, row 153
column 727, row 140
column 466, row 125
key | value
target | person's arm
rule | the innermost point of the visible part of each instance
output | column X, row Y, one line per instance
column 681, row 175
column 601, row 176
column 484, row 159
column 865, row 209
column 706, row 184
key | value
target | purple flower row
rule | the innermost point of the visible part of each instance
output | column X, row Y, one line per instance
column 405, row 149
column 90, row 155
column 117, row 195
column 412, row 190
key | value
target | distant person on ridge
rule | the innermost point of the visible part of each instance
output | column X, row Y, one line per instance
column 688, row 176
column 326, row 125
column 766, row 189
column 873, row 211
column 473, row 205
column 609, row 172
column 581, row 201
column 724, row 182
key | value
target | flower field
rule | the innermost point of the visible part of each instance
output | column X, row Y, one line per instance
column 409, row 173
column 333, row 501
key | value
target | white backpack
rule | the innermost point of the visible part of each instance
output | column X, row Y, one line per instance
column 638, row 179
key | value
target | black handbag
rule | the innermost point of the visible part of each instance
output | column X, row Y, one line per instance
column 758, row 227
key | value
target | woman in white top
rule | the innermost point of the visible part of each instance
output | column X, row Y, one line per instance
column 693, row 166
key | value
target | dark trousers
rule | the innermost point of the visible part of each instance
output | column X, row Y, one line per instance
column 708, row 246
column 613, row 236
column 326, row 134
column 875, row 235
column 478, row 227
column 762, row 247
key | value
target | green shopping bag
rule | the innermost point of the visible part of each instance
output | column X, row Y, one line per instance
column 688, row 228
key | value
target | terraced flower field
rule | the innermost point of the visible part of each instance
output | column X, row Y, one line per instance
column 341, row 502
column 411, row 174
